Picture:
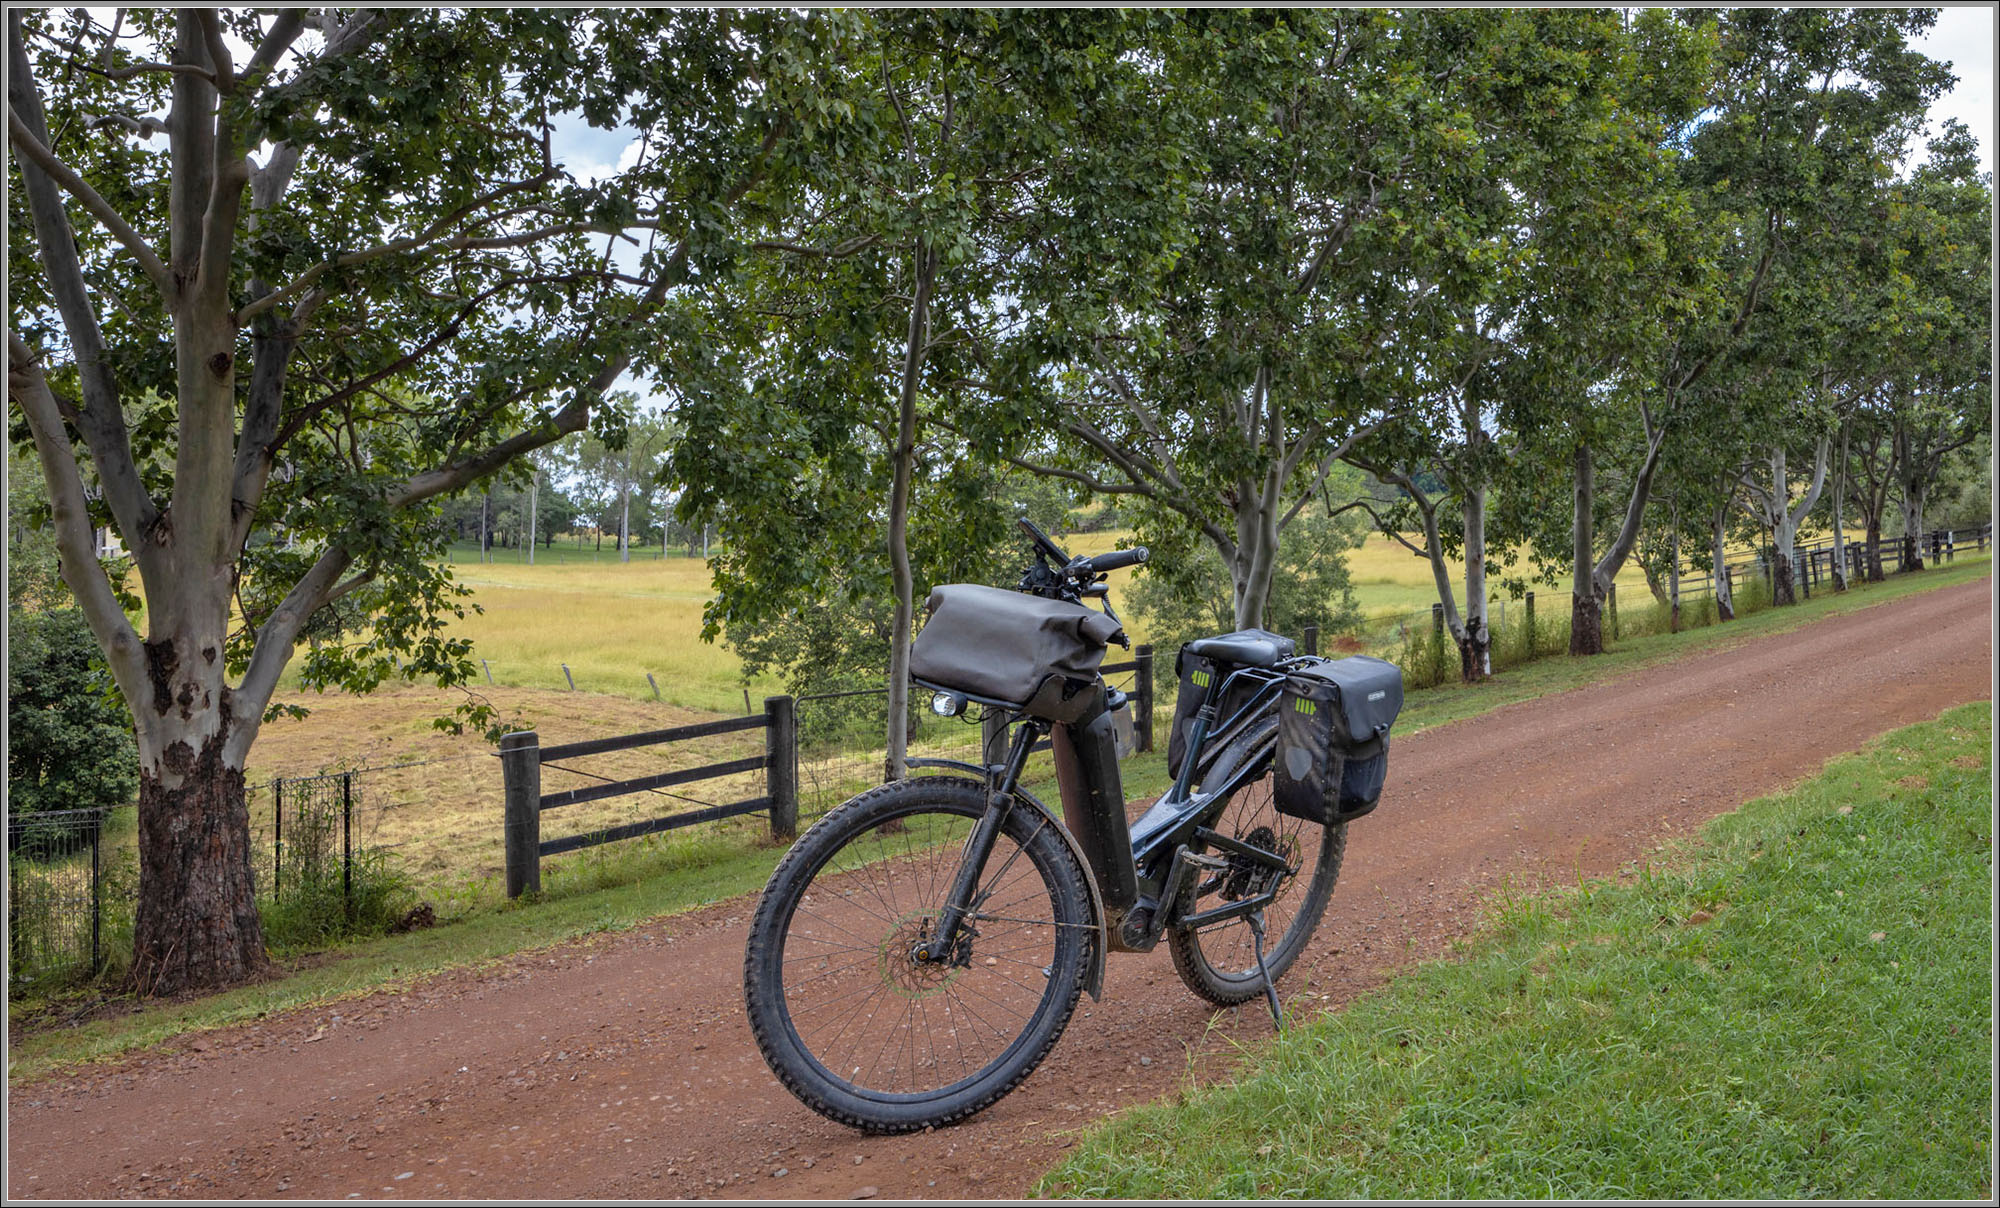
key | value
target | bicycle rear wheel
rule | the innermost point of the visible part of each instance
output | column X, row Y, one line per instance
column 849, row 1019
column 1219, row 962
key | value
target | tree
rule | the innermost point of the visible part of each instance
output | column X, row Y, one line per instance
column 1940, row 397
column 1562, row 254
column 1283, row 198
column 1800, row 103
column 1187, row 593
column 352, row 281
column 892, row 310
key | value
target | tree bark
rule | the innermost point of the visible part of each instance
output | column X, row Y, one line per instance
column 1674, row 573
column 896, row 758
column 1911, row 505
column 1725, row 599
column 534, row 498
column 625, row 510
column 1839, row 529
column 1784, row 519
column 197, row 925
column 1586, row 631
column 1475, row 641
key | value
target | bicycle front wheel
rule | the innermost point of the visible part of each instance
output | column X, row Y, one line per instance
column 847, row 1016
column 1219, row 962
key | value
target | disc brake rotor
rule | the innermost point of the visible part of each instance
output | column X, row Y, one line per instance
column 899, row 956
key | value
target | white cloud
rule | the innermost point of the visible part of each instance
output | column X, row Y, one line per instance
column 1963, row 37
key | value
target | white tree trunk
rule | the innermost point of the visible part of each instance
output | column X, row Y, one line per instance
column 1725, row 599
column 1476, row 642
column 896, row 757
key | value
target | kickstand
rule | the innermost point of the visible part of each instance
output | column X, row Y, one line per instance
column 1270, row 990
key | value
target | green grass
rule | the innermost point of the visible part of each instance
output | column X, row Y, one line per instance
column 1453, row 701
column 1796, row 1004
column 574, row 903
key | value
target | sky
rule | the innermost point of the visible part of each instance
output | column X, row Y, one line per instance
column 1963, row 37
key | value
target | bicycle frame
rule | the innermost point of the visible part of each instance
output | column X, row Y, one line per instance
column 1154, row 860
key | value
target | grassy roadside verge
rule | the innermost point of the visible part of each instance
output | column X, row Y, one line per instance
column 364, row 966
column 1452, row 701
column 1795, row 1004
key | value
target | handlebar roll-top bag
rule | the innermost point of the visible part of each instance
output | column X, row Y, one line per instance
column 1333, row 738
column 1195, row 675
column 1036, row 655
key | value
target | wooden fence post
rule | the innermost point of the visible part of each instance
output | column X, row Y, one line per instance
column 1142, row 686
column 1530, row 621
column 521, row 774
column 1312, row 639
column 1437, row 619
column 781, row 765
column 1611, row 605
column 1950, row 544
column 1805, row 576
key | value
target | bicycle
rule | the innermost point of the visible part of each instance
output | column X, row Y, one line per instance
column 922, row 947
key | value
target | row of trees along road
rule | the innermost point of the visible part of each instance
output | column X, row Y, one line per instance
column 590, row 485
column 320, row 274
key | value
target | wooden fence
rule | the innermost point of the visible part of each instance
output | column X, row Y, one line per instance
column 522, row 757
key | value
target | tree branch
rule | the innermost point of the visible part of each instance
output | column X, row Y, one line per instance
column 1326, row 463
column 100, row 419
column 61, row 173
column 221, row 74
column 28, row 388
column 273, row 649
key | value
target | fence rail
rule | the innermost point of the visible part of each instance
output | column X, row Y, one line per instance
column 522, row 758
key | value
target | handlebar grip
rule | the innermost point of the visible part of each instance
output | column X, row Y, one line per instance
column 1118, row 559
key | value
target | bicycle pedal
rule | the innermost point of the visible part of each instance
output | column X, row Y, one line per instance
column 1204, row 860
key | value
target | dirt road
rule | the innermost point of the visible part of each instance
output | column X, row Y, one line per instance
column 622, row 1066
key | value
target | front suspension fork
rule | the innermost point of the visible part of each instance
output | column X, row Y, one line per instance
column 965, row 898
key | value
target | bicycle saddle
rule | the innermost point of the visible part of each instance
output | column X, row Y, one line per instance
column 1240, row 649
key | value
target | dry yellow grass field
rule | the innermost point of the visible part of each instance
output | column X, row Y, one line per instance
column 612, row 623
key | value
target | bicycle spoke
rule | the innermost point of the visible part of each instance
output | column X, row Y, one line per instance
column 864, row 998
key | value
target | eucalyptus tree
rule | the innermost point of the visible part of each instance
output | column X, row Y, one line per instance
column 318, row 269
column 1569, row 211
column 1799, row 103
column 1940, row 395
column 894, row 308
column 1256, row 318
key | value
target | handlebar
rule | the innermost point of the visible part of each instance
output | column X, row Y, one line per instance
column 1058, row 576
column 1117, row 559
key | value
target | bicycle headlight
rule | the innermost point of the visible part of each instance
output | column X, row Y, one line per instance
column 947, row 704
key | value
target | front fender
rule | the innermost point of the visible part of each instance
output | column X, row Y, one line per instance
column 1094, row 977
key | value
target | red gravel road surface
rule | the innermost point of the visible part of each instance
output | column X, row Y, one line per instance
column 621, row 1066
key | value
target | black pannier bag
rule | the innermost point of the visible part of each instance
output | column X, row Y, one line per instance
column 1195, row 675
column 1037, row 656
column 1333, row 737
